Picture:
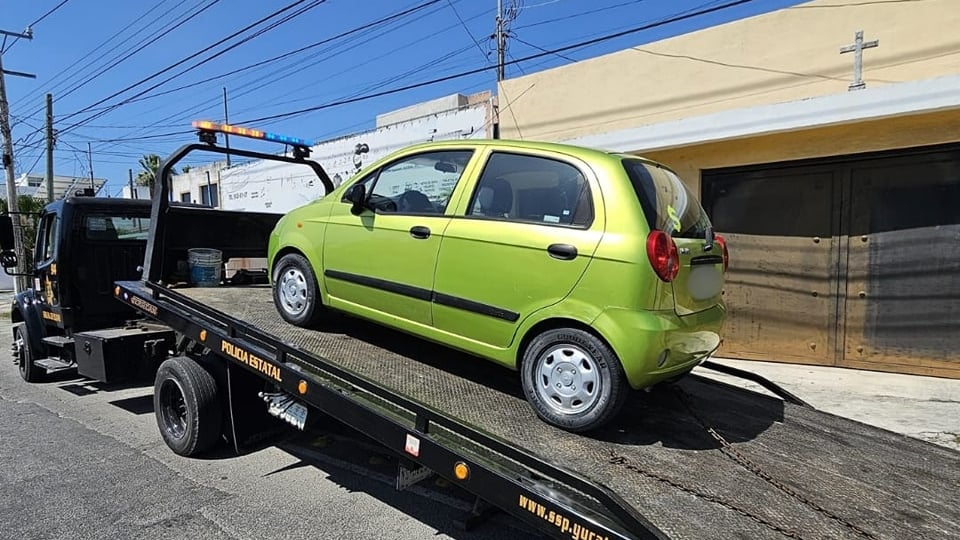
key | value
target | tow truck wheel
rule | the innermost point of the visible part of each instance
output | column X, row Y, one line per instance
column 573, row 379
column 187, row 406
column 295, row 291
column 29, row 371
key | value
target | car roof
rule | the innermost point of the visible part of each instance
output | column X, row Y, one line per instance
column 582, row 152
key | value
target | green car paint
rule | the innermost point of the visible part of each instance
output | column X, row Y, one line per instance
column 487, row 286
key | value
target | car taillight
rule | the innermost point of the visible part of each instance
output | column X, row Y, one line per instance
column 723, row 250
column 663, row 255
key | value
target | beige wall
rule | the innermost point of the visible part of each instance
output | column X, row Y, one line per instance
column 876, row 135
column 790, row 54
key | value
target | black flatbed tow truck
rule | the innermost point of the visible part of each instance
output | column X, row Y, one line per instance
column 695, row 459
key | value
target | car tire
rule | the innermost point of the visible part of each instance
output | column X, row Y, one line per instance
column 295, row 292
column 29, row 370
column 187, row 406
column 573, row 379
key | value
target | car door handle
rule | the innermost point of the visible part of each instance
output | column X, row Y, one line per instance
column 564, row 252
column 420, row 232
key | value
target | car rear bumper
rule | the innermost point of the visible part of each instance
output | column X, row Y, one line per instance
column 657, row 345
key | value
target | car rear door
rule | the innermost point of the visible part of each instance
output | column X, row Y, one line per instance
column 522, row 237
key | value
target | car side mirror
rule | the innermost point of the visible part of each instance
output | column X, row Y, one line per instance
column 357, row 195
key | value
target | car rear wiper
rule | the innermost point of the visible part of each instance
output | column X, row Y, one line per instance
column 708, row 239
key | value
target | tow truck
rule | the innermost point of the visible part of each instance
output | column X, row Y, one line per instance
column 701, row 459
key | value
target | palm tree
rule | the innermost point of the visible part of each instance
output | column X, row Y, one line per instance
column 150, row 165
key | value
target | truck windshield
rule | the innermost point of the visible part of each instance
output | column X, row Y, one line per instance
column 668, row 204
column 109, row 228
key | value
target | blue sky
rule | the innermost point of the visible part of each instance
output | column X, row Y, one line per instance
column 86, row 51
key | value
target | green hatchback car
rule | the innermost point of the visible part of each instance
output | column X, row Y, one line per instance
column 590, row 273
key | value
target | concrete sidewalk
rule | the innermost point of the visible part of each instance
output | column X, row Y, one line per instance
column 927, row 408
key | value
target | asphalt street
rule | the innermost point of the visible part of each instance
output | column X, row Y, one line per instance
column 84, row 460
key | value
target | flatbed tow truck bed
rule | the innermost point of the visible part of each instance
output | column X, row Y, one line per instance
column 697, row 459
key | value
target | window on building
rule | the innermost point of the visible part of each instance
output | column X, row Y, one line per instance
column 185, row 196
column 208, row 195
column 534, row 189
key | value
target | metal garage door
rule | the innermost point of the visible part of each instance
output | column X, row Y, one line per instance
column 851, row 261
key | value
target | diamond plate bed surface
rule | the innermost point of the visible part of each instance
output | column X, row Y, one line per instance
column 788, row 472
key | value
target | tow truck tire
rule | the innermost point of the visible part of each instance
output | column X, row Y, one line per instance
column 29, row 371
column 295, row 292
column 187, row 406
column 573, row 379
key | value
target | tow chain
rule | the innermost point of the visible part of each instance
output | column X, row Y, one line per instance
column 620, row 460
column 728, row 450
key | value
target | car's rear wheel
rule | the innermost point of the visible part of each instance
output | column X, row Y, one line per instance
column 573, row 379
column 295, row 291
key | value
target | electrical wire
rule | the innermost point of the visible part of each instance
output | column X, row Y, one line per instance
column 594, row 41
column 36, row 22
column 190, row 57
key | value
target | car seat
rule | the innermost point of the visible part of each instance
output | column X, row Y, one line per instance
column 495, row 198
column 415, row 202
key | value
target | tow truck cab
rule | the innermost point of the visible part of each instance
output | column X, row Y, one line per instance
column 70, row 317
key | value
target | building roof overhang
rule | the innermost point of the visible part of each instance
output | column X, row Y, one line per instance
column 887, row 101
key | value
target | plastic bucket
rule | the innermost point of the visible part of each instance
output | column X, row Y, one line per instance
column 205, row 266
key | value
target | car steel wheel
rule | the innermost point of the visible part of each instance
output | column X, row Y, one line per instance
column 18, row 355
column 568, row 379
column 293, row 291
column 173, row 409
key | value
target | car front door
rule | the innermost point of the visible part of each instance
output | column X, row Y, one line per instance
column 520, row 243
column 381, row 262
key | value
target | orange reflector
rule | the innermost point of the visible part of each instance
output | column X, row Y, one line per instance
column 302, row 387
column 203, row 335
column 116, row 291
column 461, row 471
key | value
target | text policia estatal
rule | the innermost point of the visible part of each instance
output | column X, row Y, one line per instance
column 251, row 360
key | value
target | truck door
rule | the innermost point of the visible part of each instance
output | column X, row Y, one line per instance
column 46, row 275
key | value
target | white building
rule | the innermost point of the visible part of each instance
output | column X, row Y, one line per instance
column 35, row 185
column 278, row 187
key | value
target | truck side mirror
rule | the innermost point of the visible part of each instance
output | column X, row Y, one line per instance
column 357, row 195
column 6, row 233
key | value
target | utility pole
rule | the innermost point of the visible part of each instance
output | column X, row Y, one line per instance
column 19, row 282
column 49, row 148
column 133, row 194
column 226, row 120
column 500, row 71
column 90, row 162
column 501, row 42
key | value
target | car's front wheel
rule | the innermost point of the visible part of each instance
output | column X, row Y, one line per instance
column 573, row 379
column 295, row 291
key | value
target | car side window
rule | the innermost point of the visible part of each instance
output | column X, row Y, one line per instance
column 535, row 189
column 418, row 184
column 48, row 239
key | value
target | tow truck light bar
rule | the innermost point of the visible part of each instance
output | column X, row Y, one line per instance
column 207, row 126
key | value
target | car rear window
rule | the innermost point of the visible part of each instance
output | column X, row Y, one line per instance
column 667, row 203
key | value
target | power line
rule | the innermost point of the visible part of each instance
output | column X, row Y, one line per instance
column 188, row 58
column 594, row 41
column 297, row 68
column 467, row 28
column 293, row 52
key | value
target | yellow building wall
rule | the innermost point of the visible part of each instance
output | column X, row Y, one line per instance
column 871, row 136
column 786, row 55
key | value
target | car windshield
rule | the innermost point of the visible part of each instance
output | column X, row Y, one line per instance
column 103, row 227
column 668, row 204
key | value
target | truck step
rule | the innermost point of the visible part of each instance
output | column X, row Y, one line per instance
column 59, row 341
column 53, row 365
